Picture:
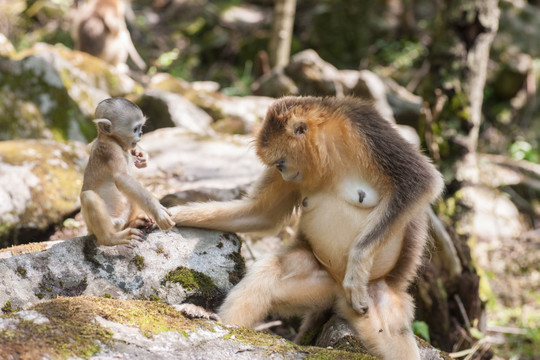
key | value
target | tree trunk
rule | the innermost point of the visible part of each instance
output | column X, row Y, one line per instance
column 459, row 53
column 447, row 289
column 282, row 28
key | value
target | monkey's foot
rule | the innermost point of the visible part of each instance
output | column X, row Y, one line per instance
column 126, row 237
column 196, row 312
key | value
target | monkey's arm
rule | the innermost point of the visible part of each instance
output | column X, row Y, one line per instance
column 135, row 192
column 389, row 220
column 267, row 206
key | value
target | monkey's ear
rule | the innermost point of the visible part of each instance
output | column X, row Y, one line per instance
column 300, row 128
column 104, row 126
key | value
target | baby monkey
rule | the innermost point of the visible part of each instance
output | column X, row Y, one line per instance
column 113, row 203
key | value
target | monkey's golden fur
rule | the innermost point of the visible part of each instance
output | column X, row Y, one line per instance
column 114, row 203
column 363, row 192
column 100, row 29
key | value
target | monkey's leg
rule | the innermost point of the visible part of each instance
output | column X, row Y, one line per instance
column 386, row 329
column 99, row 222
column 286, row 283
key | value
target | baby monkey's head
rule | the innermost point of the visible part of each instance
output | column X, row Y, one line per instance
column 121, row 119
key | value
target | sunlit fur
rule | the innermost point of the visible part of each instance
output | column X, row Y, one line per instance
column 326, row 156
column 114, row 203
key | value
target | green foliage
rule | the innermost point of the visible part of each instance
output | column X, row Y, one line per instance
column 420, row 328
column 523, row 339
column 522, row 150
column 241, row 87
column 400, row 54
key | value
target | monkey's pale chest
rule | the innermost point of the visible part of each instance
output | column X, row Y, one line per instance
column 333, row 220
column 331, row 225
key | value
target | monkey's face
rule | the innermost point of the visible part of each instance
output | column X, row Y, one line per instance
column 126, row 121
column 288, row 141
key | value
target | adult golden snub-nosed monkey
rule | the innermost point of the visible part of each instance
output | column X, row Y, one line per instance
column 363, row 191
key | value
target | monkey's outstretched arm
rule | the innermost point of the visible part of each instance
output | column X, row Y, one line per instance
column 144, row 199
column 269, row 203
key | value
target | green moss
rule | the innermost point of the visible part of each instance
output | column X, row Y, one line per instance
column 21, row 271
column 201, row 288
column 8, row 308
column 191, row 280
column 139, row 262
column 59, row 186
column 239, row 268
column 39, row 101
column 107, row 296
column 276, row 344
column 73, row 332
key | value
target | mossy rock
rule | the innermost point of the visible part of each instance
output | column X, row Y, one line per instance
column 39, row 186
column 35, row 104
column 81, row 327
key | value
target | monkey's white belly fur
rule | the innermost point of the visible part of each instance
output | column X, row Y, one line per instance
column 332, row 223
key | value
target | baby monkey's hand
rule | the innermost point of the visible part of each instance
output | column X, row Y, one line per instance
column 141, row 158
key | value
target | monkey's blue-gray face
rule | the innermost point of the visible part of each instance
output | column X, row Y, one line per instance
column 137, row 133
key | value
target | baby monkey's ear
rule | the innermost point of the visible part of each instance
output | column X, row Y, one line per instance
column 104, row 126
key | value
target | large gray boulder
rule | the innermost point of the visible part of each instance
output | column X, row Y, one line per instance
column 75, row 300
column 173, row 267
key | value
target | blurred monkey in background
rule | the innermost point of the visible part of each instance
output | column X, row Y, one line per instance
column 100, row 29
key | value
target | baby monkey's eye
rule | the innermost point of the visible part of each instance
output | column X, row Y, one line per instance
column 136, row 130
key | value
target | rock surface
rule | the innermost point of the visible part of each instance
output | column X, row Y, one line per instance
column 175, row 266
column 94, row 328
column 40, row 181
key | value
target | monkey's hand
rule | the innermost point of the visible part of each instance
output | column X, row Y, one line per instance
column 141, row 158
column 356, row 292
column 163, row 218
column 141, row 220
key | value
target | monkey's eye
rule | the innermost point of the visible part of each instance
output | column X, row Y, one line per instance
column 280, row 164
column 136, row 130
column 300, row 128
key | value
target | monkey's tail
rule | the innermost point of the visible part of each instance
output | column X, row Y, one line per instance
column 386, row 329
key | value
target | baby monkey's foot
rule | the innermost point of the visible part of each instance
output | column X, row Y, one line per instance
column 129, row 236
column 196, row 312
